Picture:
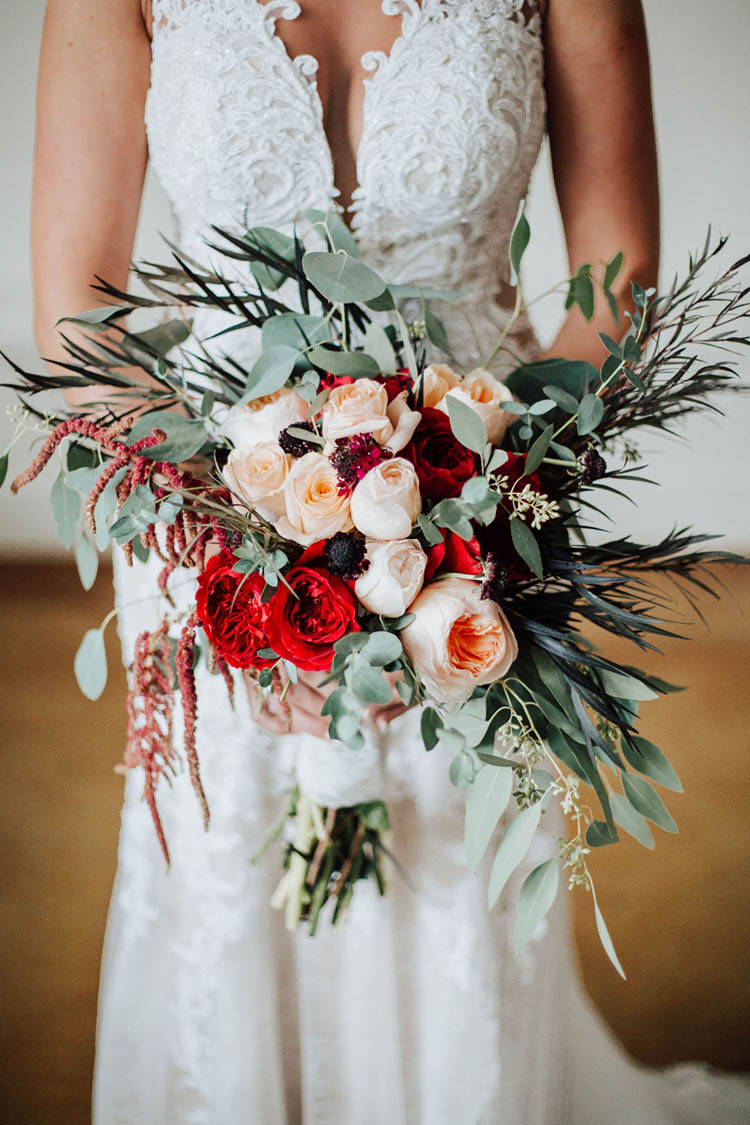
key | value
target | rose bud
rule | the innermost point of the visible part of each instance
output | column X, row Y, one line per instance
column 264, row 418
column 257, row 475
column 484, row 393
column 393, row 578
column 358, row 408
column 437, row 380
column 404, row 422
column 457, row 641
column 386, row 502
column 315, row 508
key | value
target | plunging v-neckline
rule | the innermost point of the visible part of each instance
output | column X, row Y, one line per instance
column 308, row 65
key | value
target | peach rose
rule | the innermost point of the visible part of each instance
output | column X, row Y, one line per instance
column 484, row 393
column 360, row 407
column 257, row 474
column 387, row 501
column 393, row 578
column 314, row 507
column 457, row 640
column 264, row 418
column 437, row 381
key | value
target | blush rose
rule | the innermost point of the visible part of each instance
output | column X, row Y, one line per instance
column 457, row 640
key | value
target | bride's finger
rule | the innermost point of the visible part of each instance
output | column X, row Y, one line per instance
column 312, row 680
column 302, row 695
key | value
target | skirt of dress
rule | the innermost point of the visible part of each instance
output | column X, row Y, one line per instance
column 414, row 1010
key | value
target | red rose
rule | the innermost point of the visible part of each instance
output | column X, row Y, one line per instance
column 303, row 625
column 395, row 384
column 328, row 380
column 442, row 463
column 231, row 612
column 513, row 470
column 454, row 554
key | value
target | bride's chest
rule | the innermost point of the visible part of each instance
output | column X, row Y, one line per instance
column 444, row 106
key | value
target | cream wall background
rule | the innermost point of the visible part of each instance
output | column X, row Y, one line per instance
column 701, row 96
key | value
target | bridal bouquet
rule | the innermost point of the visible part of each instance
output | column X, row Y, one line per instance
column 398, row 527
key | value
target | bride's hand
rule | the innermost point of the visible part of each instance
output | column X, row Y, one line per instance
column 299, row 712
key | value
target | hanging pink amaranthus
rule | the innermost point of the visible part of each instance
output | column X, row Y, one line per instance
column 150, row 709
column 187, row 538
column 186, row 681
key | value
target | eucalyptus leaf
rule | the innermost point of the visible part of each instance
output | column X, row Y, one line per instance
column 343, row 363
column 370, row 685
column 630, row 820
column 382, row 648
column 526, row 545
column 513, row 847
column 435, row 330
column 406, row 344
column 336, row 230
column 534, row 901
column 472, row 727
column 105, row 508
column 519, row 240
column 163, row 337
column 429, row 531
column 87, row 561
column 267, row 239
column 185, row 436
column 93, row 318
column 377, row 344
column 270, row 372
column 341, row 277
column 294, row 330
column 90, row 664
column 83, row 480
column 170, row 507
column 466, row 424
column 461, row 770
column 486, row 800
column 599, row 834
column 3, row 468
column 647, row 801
column 590, row 413
column 66, row 506
column 430, row 724
column 604, row 938
column 564, row 400
column 622, row 686
column 612, row 269
column 649, row 760
column 538, row 450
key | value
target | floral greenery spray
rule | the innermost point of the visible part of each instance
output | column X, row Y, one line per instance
column 353, row 505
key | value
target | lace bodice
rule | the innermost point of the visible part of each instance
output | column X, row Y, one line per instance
column 452, row 122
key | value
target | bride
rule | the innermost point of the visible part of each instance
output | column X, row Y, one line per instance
column 421, row 124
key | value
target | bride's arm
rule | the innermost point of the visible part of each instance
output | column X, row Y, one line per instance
column 90, row 156
column 603, row 151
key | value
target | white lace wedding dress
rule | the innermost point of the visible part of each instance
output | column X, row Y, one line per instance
column 416, row 1010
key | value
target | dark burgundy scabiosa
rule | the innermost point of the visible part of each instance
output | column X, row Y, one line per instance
column 594, row 466
column 297, row 446
column 497, row 577
column 346, row 555
column 354, row 456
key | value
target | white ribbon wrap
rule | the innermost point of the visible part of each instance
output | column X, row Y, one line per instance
column 331, row 774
